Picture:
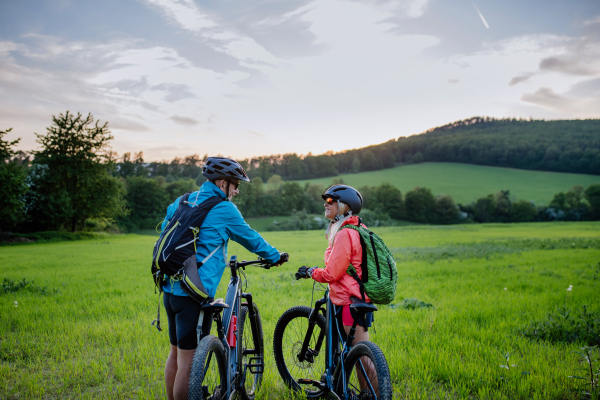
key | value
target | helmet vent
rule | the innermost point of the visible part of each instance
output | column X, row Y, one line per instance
column 226, row 163
column 338, row 189
column 217, row 166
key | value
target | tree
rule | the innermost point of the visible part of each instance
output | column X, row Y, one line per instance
column 592, row 195
column 180, row 187
column 420, row 205
column 72, row 178
column 503, row 205
column 484, row 209
column 148, row 201
column 12, row 185
column 388, row 199
column 446, row 210
column 523, row 211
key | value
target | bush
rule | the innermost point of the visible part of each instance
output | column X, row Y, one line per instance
column 523, row 211
column 592, row 195
column 420, row 205
column 565, row 327
column 300, row 221
column 446, row 210
column 376, row 218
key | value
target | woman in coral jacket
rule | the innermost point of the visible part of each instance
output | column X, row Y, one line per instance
column 342, row 205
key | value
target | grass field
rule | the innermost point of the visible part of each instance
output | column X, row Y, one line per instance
column 93, row 339
column 466, row 182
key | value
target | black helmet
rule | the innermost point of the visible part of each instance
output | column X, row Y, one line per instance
column 224, row 168
column 346, row 194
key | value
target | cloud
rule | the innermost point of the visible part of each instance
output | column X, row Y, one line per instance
column 546, row 97
column 519, row 79
column 175, row 91
column 453, row 81
column 571, row 104
column 592, row 21
column 184, row 121
column 573, row 64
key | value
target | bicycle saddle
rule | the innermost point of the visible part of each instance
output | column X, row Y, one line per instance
column 361, row 306
column 215, row 305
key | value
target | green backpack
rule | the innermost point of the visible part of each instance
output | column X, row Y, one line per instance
column 379, row 273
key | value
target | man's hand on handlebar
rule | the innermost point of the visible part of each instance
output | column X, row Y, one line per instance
column 283, row 257
column 304, row 272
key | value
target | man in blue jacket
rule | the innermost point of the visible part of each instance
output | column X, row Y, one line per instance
column 222, row 223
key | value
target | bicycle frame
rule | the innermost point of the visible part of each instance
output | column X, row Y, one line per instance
column 234, row 298
column 333, row 367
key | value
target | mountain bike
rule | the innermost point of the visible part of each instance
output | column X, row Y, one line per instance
column 350, row 372
column 231, row 364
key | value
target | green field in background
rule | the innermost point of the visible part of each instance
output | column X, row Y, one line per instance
column 467, row 182
column 93, row 338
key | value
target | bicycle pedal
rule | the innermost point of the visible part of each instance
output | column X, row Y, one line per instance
column 317, row 384
column 256, row 367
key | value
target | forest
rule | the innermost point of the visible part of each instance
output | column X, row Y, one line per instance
column 76, row 182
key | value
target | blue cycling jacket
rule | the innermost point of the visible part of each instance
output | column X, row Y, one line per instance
column 222, row 223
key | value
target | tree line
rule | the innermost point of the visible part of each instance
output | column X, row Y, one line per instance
column 75, row 182
column 560, row 146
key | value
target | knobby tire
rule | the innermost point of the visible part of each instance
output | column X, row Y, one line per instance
column 208, row 378
column 290, row 331
column 365, row 353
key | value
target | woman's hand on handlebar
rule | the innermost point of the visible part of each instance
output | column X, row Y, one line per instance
column 283, row 257
column 304, row 272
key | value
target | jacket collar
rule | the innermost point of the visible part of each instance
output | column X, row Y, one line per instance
column 353, row 220
column 211, row 189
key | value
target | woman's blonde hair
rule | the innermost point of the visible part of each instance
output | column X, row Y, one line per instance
column 334, row 226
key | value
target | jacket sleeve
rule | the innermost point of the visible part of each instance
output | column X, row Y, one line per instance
column 239, row 231
column 170, row 211
column 338, row 261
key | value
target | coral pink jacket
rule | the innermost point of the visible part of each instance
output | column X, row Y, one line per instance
column 346, row 250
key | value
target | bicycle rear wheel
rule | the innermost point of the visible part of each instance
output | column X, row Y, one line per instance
column 366, row 372
column 290, row 331
column 251, row 354
column 208, row 378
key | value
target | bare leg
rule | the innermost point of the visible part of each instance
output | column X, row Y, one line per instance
column 363, row 335
column 171, row 371
column 182, row 379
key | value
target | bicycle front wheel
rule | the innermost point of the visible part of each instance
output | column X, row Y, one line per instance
column 290, row 331
column 208, row 378
column 367, row 375
column 251, row 354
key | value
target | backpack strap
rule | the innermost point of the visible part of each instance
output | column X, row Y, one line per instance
column 352, row 272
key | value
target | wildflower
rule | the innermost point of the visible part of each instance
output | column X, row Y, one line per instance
column 573, row 243
column 570, row 288
column 16, row 304
column 505, row 288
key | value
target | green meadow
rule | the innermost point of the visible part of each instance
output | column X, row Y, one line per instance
column 467, row 182
column 88, row 334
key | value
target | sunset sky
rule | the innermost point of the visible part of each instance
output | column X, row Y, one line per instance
column 250, row 77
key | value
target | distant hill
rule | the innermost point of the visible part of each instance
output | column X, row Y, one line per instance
column 466, row 183
column 560, row 146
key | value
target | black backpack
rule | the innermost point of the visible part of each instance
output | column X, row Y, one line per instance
column 175, row 250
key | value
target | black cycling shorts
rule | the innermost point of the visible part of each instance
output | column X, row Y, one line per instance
column 183, row 313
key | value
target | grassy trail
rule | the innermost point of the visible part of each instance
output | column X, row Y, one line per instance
column 467, row 182
column 93, row 338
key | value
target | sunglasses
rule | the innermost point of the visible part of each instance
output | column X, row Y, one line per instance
column 235, row 184
column 330, row 201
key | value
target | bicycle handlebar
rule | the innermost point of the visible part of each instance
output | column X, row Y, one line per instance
column 234, row 263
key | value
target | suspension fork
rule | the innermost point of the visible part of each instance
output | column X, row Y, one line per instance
column 253, row 325
column 312, row 321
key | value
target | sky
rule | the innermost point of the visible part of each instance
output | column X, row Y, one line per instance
column 256, row 77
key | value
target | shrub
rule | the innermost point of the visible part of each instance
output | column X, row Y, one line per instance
column 523, row 211
column 565, row 327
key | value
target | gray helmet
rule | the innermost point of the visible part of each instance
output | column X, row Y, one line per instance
column 224, row 168
column 346, row 194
